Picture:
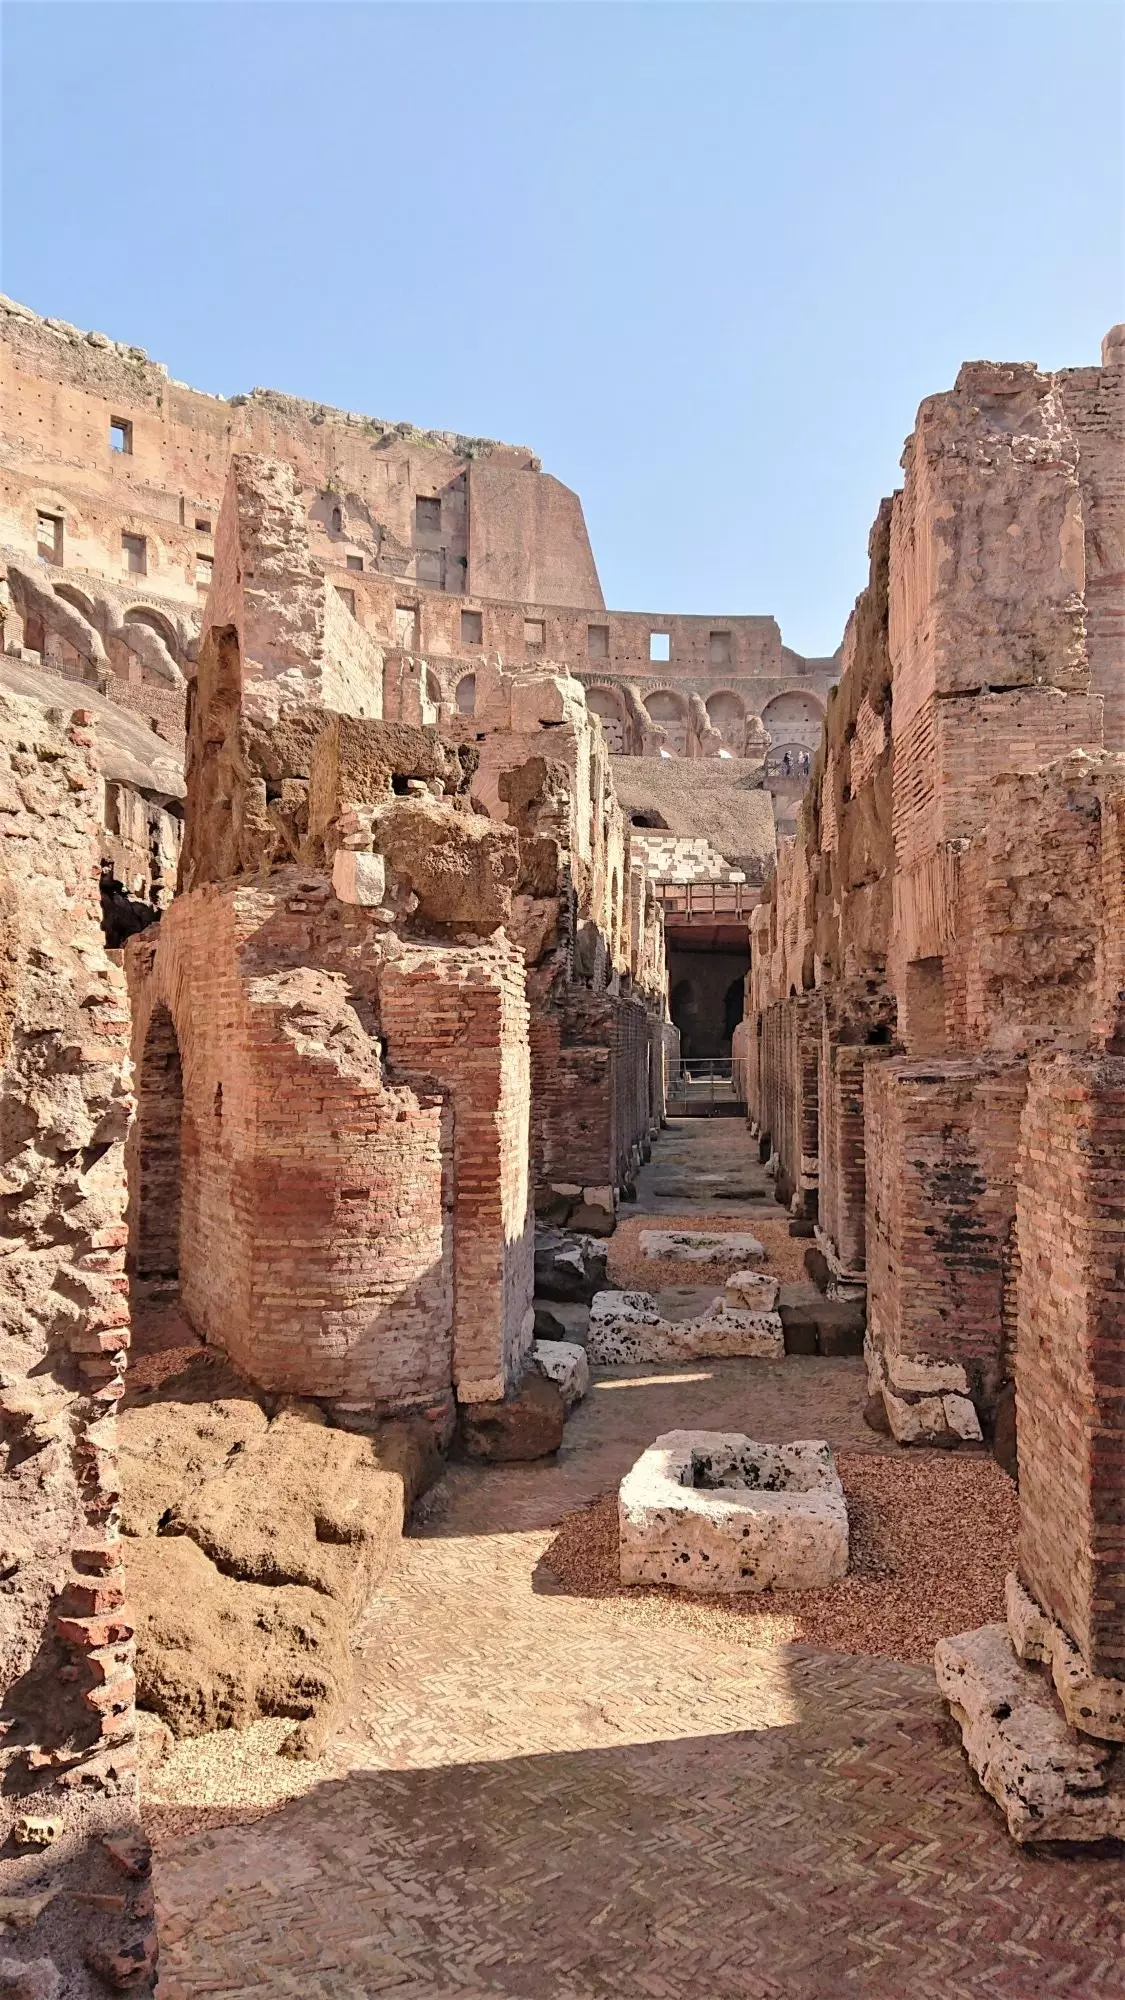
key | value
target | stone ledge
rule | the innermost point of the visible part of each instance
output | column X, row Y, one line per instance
column 1051, row 1783
column 1092, row 1703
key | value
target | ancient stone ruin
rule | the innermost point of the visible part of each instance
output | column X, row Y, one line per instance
column 364, row 883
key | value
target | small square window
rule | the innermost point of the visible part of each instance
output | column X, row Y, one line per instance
column 134, row 555
column 120, row 434
column 472, row 628
column 202, row 524
column 597, row 642
column 720, row 649
column 353, row 562
column 347, row 598
column 659, row 646
column 204, row 567
column 49, row 538
column 534, row 634
column 427, row 515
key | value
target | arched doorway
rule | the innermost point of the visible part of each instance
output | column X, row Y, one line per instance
column 160, row 1108
column 606, row 704
column 466, row 695
column 671, row 712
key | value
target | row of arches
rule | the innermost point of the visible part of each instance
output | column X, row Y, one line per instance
column 793, row 719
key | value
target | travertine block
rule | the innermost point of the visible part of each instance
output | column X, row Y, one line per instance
column 1052, row 1783
column 697, row 1246
column 629, row 1326
column 1092, row 1703
column 714, row 1511
column 564, row 1363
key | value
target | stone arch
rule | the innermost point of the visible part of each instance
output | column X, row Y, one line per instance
column 794, row 716
column 165, row 629
column 726, row 712
column 465, row 695
column 791, row 759
column 669, row 709
column 70, row 594
column 158, row 1160
column 607, row 704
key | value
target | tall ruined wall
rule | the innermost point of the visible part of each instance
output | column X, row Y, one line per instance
column 66, row 1652
column 949, row 895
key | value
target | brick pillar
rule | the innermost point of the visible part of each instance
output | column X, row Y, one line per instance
column 457, row 1016
column 1070, row 1351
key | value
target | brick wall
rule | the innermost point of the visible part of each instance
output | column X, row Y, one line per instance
column 316, row 1235
column 1070, row 1350
column 942, row 1142
column 65, row 1632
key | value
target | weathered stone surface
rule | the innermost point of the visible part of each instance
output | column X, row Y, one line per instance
column 565, row 1364
column 713, row 1511
column 527, row 1424
column 30, row 1979
column 629, row 1326
column 751, row 1291
column 1051, row 1783
column 694, row 1246
column 1094, row 1704
column 568, row 1268
column 216, row 1652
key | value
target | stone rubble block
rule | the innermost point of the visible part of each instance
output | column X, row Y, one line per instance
column 629, row 1327
column 564, row 1363
column 1051, row 1783
column 1094, row 1704
column 691, row 1246
column 714, row 1511
column 751, row 1291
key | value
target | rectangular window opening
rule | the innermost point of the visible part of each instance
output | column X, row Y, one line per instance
column 120, row 434
column 49, row 538
column 659, row 646
column 534, row 634
column 134, row 555
column 720, row 649
column 597, row 642
column 202, row 524
column 204, row 567
column 427, row 515
column 347, row 598
column 353, row 562
column 472, row 628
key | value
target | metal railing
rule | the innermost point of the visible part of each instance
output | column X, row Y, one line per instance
column 708, row 899
column 703, row 1086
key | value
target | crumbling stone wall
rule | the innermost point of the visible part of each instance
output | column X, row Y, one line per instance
column 66, row 1652
column 951, row 893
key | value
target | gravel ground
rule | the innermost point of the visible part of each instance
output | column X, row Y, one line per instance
column 630, row 1271
column 227, row 1778
column 933, row 1535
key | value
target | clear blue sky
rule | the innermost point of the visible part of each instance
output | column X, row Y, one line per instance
column 706, row 260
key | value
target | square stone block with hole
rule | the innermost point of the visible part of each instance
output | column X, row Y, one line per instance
column 714, row 1511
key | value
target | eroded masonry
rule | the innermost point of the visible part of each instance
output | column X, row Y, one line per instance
column 365, row 883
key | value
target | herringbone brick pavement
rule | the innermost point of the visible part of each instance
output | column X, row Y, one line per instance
column 539, row 1797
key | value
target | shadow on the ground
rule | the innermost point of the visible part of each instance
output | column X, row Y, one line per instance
column 845, row 1850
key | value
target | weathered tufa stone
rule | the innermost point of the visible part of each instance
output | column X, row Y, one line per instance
column 630, row 1327
column 564, row 1363
column 528, row 1423
column 30, row 1979
column 714, row 1511
column 698, row 1246
column 1094, row 1704
column 1051, row 1783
